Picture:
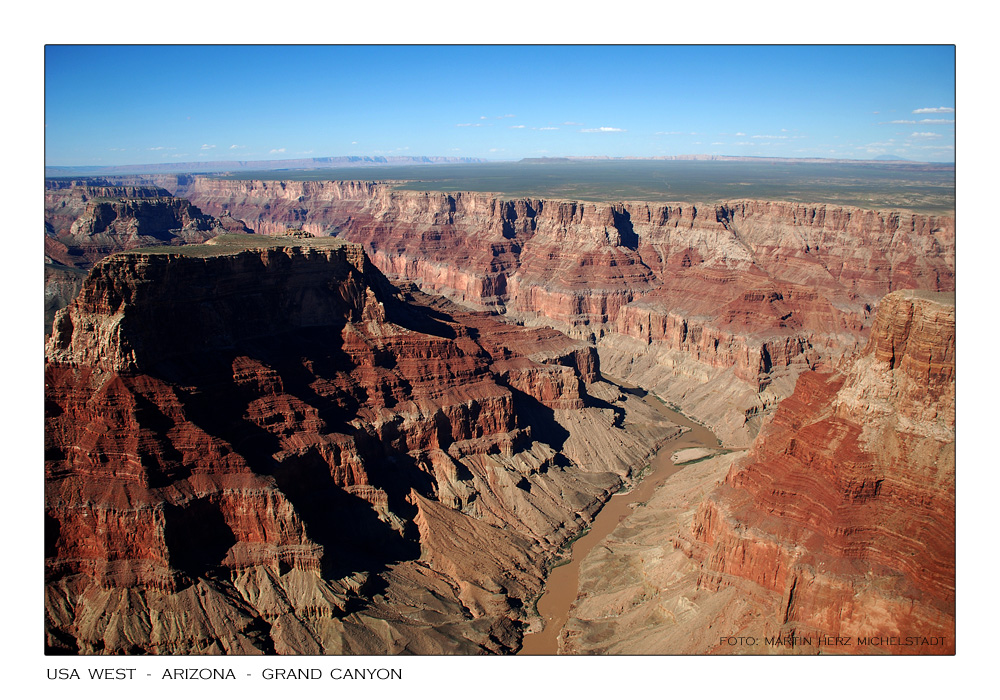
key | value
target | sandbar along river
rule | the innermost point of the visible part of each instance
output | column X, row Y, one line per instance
column 562, row 584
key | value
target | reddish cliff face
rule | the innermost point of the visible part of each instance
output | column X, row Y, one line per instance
column 841, row 521
column 243, row 446
column 834, row 534
column 673, row 294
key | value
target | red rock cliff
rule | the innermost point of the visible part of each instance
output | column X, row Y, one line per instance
column 841, row 521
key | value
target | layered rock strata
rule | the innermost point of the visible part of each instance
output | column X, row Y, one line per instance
column 86, row 220
column 839, row 524
column 738, row 296
column 265, row 447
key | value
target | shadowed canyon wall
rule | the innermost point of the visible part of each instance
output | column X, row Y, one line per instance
column 274, row 450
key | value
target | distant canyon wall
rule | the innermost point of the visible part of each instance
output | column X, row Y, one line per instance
column 741, row 295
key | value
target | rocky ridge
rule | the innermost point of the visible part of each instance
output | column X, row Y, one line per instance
column 261, row 445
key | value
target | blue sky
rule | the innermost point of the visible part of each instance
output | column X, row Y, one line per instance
column 161, row 104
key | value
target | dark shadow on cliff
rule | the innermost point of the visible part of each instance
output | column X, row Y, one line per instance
column 347, row 526
column 544, row 427
column 349, row 529
column 197, row 536
column 595, row 402
column 626, row 233
column 164, row 464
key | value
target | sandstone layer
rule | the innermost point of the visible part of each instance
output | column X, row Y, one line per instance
column 839, row 524
column 262, row 446
column 718, row 306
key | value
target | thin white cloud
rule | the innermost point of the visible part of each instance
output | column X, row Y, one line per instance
column 667, row 133
column 717, row 143
column 235, row 146
column 482, row 117
column 572, row 123
column 900, row 121
column 767, row 136
column 601, row 129
column 277, row 150
column 935, row 110
column 924, row 135
column 206, row 146
column 159, row 148
column 739, row 133
column 477, row 124
column 548, row 128
column 937, row 121
column 506, row 116
column 516, row 126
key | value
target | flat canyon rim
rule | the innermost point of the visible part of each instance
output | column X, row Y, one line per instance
column 927, row 188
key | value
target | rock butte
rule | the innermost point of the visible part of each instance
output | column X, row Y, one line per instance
column 462, row 451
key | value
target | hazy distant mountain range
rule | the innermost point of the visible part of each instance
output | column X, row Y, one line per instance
column 217, row 166
column 236, row 166
column 738, row 159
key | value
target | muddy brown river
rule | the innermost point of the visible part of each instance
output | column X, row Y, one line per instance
column 562, row 585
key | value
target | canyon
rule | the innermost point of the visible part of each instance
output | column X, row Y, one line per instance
column 383, row 414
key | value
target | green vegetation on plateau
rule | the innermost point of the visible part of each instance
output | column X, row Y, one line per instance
column 237, row 242
column 919, row 187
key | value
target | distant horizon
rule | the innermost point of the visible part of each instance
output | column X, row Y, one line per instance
column 195, row 103
column 338, row 161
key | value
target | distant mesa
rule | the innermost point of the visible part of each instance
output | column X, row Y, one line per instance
column 546, row 160
column 729, row 159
